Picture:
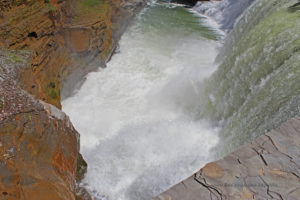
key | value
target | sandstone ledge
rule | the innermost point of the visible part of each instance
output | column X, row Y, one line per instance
column 267, row 168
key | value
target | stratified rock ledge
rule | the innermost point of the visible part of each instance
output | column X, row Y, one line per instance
column 267, row 168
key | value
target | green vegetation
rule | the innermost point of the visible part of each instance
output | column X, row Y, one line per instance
column 91, row 3
column 81, row 168
column 52, row 93
column 89, row 9
column 15, row 58
column 29, row 116
column 51, row 90
column 51, row 7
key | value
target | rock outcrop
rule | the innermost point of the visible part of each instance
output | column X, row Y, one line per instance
column 38, row 144
column 267, row 168
column 46, row 47
column 68, row 39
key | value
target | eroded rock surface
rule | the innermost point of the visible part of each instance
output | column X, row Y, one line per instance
column 47, row 46
column 68, row 39
column 267, row 168
column 38, row 144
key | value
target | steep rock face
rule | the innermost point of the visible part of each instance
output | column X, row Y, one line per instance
column 58, row 43
column 68, row 39
column 54, row 31
column 38, row 144
column 267, row 168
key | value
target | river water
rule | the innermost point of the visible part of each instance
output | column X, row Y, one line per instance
column 141, row 118
column 138, row 117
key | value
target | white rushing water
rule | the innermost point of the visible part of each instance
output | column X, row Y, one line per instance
column 225, row 12
column 139, row 134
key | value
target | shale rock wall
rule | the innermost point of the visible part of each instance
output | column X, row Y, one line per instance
column 267, row 168
column 47, row 46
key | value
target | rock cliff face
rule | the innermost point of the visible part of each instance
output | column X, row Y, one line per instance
column 267, row 168
column 65, row 37
column 38, row 144
column 46, row 47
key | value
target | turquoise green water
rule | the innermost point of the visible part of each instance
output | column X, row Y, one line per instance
column 163, row 19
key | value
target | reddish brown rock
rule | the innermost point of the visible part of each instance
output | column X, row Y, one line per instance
column 38, row 144
column 65, row 37
column 213, row 170
column 58, row 43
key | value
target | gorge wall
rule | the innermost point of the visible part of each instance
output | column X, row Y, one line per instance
column 38, row 144
column 46, row 47
column 64, row 37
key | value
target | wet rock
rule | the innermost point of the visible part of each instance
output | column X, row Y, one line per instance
column 81, row 168
column 267, row 168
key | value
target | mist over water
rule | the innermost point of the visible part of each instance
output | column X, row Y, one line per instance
column 137, row 117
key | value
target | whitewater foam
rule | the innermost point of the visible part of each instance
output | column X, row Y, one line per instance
column 139, row 133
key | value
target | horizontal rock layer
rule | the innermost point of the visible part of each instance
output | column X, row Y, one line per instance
column 267, row 168
column 67, row 39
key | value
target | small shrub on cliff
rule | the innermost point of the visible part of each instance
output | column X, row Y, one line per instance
column 52, row 91
column 91, row 3
column 51, row 7
column 15, row 58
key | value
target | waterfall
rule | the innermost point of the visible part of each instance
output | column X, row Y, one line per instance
column 139, row 130
column 224, row 12
column 257, row 85
column 156, row 114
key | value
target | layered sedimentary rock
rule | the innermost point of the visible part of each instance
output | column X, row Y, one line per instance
column 46, row 46
column 65, row 37
column 267, row 168
column 38, row 144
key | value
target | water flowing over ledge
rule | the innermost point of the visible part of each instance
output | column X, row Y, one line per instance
column 255, row 88
column 225, row 13
column 150, row 118
column 137, row 121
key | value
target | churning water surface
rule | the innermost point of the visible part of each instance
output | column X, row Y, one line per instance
column 137, row 117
